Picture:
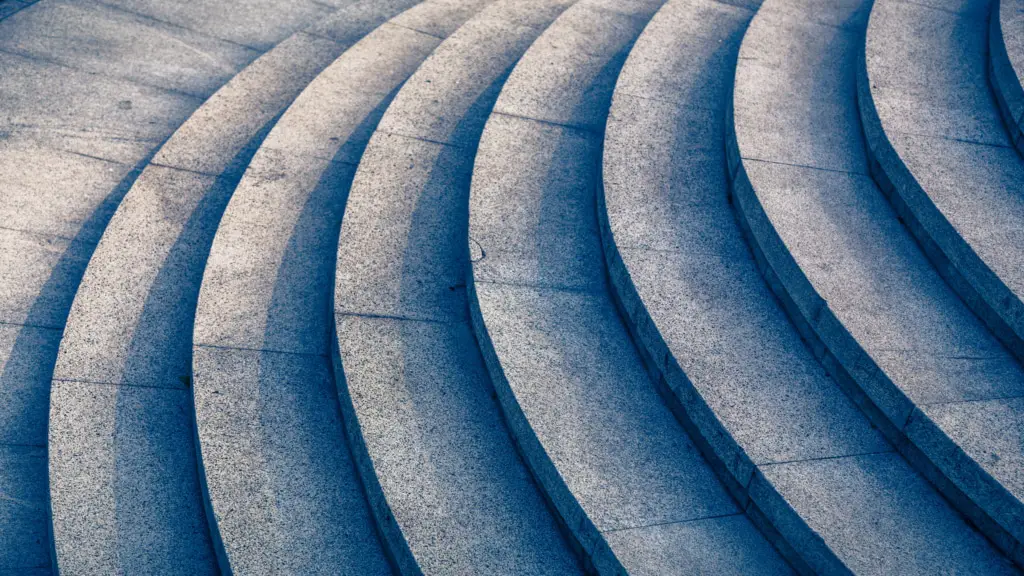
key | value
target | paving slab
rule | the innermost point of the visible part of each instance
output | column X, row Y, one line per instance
column 940, row 150
column 101, row 40
column 449, row 490
column 857, row 285
column 270, row 425
column 619, row 469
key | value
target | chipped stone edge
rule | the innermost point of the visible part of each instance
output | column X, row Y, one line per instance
column 975, row 282
column 916, row 437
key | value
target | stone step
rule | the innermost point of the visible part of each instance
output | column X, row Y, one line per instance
column 779, row 430
column 125, row 490
column 449, row 491
column 876, row 312
column 282, row 483
column 1006, row 65
column 625, row 478
column 941, row 153
column 88, row 91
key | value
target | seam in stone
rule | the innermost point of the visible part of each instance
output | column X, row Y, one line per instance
column 671, row 523
column 119, row 384
column 178, row 26
column 627, row 92
column 97, row 158
column 270, row 350
column 891, row 450
column 583, row 129
column 182, row 169
column 68, row 239
column 950, row 139
column 422, row 139
column 36, row 326
column 550, row 287
column 411, row 29
column 43, row 60
column 401, row 318
column 794, row 165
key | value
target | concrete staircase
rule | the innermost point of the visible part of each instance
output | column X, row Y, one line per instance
column 553, row 287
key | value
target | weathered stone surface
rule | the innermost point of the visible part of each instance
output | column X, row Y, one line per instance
column 876, row 311
column 280, row 479
column 24, row 541
column 98, row 39
column 443, row 477
column 125, row 476
column 1006, row 65
column 943, row 153
column 606, row 450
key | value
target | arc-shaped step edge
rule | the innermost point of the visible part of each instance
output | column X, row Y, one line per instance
column 448, row 490
column 125, row 490
column 923, row 159
column 874, row 310
column 625, row 479
column 10, row 7
column 265, row 404
column 775, row 427
column 933, row 131
column 1006, row 65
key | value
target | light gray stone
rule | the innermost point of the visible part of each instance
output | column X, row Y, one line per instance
column 123, row 469
column 855, row 280
column 447, row 469
column 40, row 276
column 440, row 18
column 727, row 545
column 787, row 51
column 683, row 71
column 927, row 71
column 989, row 433
column 268, row 278
column 98, row 39
column 156, row 245
column 260, row 25
column 402, row 250
column 279, row 476
column 357, row 18
column 894, row 522
column 593, row 43
column 572, row 369
column 25, row 539
column 604, row 447
column 536, row 224
column 26, row 364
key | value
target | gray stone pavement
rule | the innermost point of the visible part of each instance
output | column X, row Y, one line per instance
column 877, row 313
column 449, row 490
column 622, row 473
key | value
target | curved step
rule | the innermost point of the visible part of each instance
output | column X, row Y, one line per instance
column 940, row 151
column 779, row 429
column 125, row 492
column 620, row 471
column 266, row 410
column 450, row 494
column 74, row 133
column 1006, row 64
column 878, row 315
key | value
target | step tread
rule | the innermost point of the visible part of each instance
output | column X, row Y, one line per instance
column 125, row 357
column 1006, row 65
column 267, row 413
column 442, row 474
column 935, row 131
column 622, row 473
column 850, row 274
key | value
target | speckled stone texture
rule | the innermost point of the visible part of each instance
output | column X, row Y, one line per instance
column 941, row 152
column 622, row 473
column 1006, row 64
column 87, row 92
column 875, row 310
column 444, row 479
